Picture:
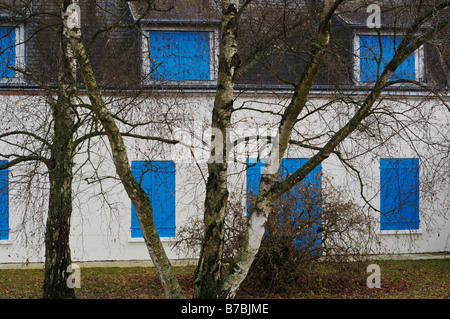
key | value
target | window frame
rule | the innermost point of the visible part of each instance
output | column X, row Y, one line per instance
column 213, row 54
column 419, row 57
column 19, row 52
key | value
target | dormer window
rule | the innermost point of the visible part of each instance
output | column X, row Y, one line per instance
column 174, row 55
column 373, row 52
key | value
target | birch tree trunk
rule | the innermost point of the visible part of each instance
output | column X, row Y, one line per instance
column 57, row 248
column 135, row 192
column 208, row 273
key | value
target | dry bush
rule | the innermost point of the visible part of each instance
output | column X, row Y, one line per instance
column 314, row 239
column 190, row 235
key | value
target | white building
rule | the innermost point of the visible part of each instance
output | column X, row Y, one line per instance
column 397, row 169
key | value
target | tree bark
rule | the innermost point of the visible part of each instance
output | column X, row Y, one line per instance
column 57, row 248
column 207, row 276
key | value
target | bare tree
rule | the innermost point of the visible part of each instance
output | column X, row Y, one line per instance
column 270, row 188
column 57, row 153
column 56, row 138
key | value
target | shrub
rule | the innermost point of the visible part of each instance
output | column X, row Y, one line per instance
column 307, row 228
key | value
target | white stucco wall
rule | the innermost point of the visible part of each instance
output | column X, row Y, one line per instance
column 100, row 228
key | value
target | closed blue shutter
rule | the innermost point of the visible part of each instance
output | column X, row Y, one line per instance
column 307, row 204
column 179, row 56
column 157, row 178
column 312, row 182
column 253, row 179
column 399, row 202
column 370, row 55
column 4, row 204
column 7, row 51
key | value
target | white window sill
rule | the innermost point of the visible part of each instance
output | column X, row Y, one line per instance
column 400, row 232
column 12, row 80
column 6, row 242
column 141, row 240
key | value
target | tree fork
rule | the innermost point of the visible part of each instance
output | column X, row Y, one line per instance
column 238, row 269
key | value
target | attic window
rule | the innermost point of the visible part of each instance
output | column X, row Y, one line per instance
column 180, row 55
column 373, row 52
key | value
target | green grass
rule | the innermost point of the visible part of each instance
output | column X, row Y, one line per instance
column 415, row 279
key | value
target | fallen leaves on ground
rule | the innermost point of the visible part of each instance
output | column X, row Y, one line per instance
column 399, row 279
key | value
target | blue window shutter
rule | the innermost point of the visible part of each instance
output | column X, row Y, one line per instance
column 163, row 55
column 253, row 179
column 288, row 166
column 143, row 177
column 312, row 181
column 399, row 202
column 7, row 51
column 4, row 203
column 196, row 56
column 307, row 206
column 179, row 56
column 157, row 178
column 163, row 197
column 371, row 53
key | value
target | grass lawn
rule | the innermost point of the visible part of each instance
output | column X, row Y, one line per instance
column 414, row 279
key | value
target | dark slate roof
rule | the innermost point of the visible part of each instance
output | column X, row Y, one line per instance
column 116, row 54
column 176, row 11
column 395, row 14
